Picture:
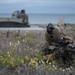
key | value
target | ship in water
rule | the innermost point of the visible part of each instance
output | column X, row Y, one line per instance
column 18, row 19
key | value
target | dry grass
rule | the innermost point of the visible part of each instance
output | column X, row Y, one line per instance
column 27, row 43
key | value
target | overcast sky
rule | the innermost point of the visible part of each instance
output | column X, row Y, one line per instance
column 38, row 6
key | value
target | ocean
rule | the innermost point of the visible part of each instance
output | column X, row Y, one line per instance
column 51, row 18
column 47, row 18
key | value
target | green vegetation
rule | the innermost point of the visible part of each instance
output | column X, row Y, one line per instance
column 23, row 51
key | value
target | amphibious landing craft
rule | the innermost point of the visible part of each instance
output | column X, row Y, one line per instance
column 18, row 19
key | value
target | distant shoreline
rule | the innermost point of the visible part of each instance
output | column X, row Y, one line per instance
column 22, row 29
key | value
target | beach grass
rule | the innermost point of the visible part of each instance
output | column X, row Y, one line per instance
column 21, row 54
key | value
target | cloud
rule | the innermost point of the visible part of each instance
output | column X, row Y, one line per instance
column 9, row 1
column 39, row 5
column 49, row 3
column 29, row 3
column 39, row 2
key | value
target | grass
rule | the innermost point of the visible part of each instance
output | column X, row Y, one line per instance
column 22, row 54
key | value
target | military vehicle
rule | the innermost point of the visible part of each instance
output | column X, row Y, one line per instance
column 18, row 19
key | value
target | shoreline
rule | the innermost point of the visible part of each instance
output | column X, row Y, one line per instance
column 22, row 28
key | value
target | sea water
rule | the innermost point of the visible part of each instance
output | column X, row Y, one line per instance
column 47, row 18
column 51, row 18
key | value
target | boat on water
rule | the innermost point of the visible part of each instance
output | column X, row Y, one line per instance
column 18, row 19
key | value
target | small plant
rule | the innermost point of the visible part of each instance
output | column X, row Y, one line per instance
column 30, row 35
column 27, row 41
column 20, row 60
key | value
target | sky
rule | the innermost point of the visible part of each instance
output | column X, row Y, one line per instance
column 38, row 6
